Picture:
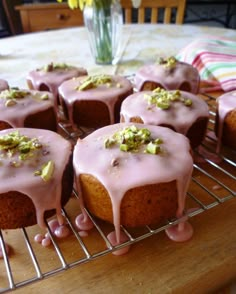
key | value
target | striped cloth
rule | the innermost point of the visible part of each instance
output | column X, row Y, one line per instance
column 215, row 59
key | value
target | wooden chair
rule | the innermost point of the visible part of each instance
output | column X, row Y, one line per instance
column 154, row 6
column 12, row 16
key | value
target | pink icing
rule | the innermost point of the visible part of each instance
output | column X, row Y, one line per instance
column 180, row 232
column 59, row 231
column 108, row 95
column 3, row 85
column 179, row 116
column 83, row 234
column 135, row 169
column 169, row 78
column 46, row 241
column 123, row 238
column 53, row 79
column 226, row 103
column 15, row 115
column 38, row 238
column 83, row 222
column 45, row 195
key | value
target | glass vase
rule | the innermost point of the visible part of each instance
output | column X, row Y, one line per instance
column 104, row 21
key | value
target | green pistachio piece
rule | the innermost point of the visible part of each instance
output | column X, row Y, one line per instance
column 47, row 171
column 15, row 163
column 124, row 147
column 86, row 85
column 163, row 104
column 61, row 66
column 10, row 102
column 188, row 102
column 169, row 62
column 13, row 94
column 109, row 142
column 153, row 148
column 158, row 141
column 161, row 60
column 94, row 81
column 48, row 67
column 44, row 97
column 37, row 173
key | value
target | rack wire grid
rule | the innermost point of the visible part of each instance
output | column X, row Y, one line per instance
column 213, row 183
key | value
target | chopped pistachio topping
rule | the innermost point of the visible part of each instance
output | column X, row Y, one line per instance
column 54, row 66
column 15, row 143
column 91, row 82
column 163, row 99
column 13, row 94
column 170, row 62
column 133, row 139
column 24, row 148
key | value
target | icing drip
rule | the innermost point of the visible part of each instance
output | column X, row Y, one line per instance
column 168, row 78
column 106, row 93
column 113, row 240
column 45, row 195
column 134, row 169
column 179, row 116
column 83, row 222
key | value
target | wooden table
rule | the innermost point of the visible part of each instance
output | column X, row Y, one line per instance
column 155, row 264
column 158, row 265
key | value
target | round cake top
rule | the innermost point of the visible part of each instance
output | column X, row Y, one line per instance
column 105, row 88
column 53, row 75
column 125, row 156
column 30, row 164
column 178, row 109
column 17, row 104
column 3, row 85
column 170, row 74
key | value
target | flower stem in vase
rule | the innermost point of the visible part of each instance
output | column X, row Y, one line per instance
column 103, row 20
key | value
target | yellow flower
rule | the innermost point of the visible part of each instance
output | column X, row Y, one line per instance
column 77, row 3
column 82, row 3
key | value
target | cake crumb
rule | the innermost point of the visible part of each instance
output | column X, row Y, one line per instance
column 216, row 187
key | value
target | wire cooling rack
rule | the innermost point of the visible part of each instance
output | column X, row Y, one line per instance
column 213, row 182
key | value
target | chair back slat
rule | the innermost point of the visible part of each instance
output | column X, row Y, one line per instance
column 154, row 15
column 167, row 15
column 171, row 8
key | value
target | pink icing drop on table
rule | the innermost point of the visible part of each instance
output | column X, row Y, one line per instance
column 181, row 232
column 83, row 222
column 123, row 238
